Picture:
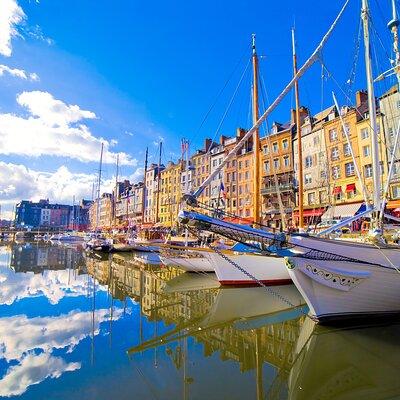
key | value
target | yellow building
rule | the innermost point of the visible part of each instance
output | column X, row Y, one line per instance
column 343, row 182
column 201, row 170
column 170, row 195
column 364, row 150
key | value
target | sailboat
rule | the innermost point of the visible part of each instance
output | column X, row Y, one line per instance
column 348, row 279
column 97, row 242
column 337, row 279
column 269, row 270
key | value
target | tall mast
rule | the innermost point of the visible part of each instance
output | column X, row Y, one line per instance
column 256, row 137
column 116, row 189
column 158, row 181
column 98, row 188
column 298, row 133
column 144, row 184
column 393, row 25
column 372, row 113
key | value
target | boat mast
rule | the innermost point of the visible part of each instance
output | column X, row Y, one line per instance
column 372, row 115
column 98, row 188
column 299, row 141
column 310, row 61
column 144, row 184
column 256, row 137
column 116, row 190
column 158, row 181
column 393, row 25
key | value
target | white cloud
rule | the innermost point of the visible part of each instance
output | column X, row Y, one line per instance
column 11, row 14
column 52, row 128
column 54, row 285
column 32, row 370
column 19, row 182
column 20, row 335
column 18, row 73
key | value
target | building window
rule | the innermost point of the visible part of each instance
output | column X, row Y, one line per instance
column 336, row 172
column 307, row 179
column 266, row 166
column 366, row 151
column 333, row 135
column 368, row 170
column 266, row 149
column 364, row 133
column 233, row 176
column 396, row 192
column 276, row 163
column 247, row 163
column 346, row 149
column 247, row 175
column 275, row 147
column 347, row 130
column 316, row 140
column 311, row 198
column 285, row 144
column 349, row 168
column 308, row 162
column 335, row 153
column 286, row 161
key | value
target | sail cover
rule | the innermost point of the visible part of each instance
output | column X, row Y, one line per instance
column 239, row 233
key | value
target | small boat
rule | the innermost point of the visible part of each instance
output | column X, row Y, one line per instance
column 99, row 244
column 67, row 237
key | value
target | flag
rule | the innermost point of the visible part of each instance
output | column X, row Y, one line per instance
column 222, row 189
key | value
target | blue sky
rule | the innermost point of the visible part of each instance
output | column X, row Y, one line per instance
column 151, row 70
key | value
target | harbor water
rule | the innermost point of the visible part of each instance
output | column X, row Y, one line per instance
column 123, row 326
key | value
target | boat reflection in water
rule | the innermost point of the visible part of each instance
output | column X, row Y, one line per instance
column 359, row 363
column 96, row 327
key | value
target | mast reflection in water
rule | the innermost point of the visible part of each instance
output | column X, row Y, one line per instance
column 77, row 327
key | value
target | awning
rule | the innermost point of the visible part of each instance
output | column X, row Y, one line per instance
column 238, row 220
column 351, row 187
column 314, row 212
column 391, row 204
column 343, row 211
column 397, row 210
column 337, row 190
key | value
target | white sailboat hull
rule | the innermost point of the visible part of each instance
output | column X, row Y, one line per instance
column 337, row 289
column 269, row 270
column 189, row 260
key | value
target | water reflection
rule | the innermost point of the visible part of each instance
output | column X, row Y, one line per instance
column 99, row 327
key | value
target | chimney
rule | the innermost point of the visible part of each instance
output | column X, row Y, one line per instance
column 222, row 139
column 240, row 132
column 207, row 144
column 361, row 97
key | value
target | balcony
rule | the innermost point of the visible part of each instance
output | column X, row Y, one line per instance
column 283, row 187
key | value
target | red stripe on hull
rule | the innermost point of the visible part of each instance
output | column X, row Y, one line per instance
column 275, row 282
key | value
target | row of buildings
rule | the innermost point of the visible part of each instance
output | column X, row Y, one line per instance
column 43, row 214
column 331, row 185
